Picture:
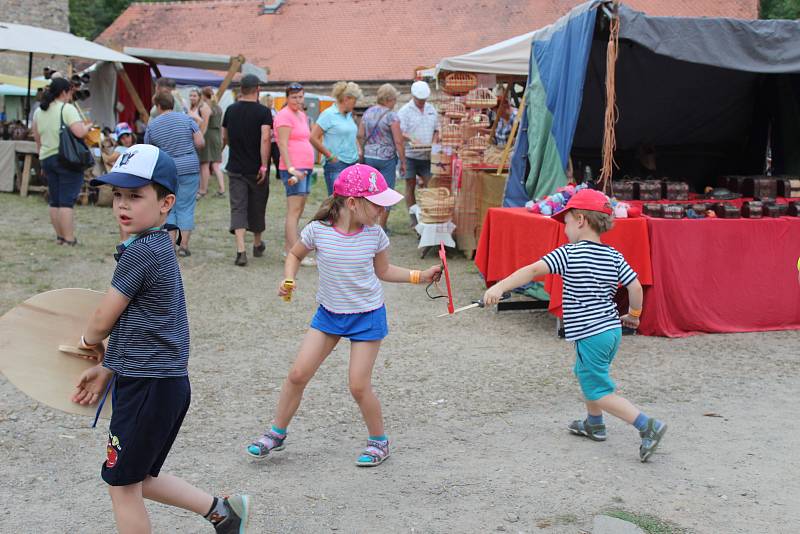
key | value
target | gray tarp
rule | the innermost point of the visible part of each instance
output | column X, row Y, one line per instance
column 764, row 46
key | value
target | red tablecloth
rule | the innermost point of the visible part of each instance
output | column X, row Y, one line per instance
column 513, row 237
column 733, row 275
column 707, row 275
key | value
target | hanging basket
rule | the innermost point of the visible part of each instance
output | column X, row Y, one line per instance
column 481, row 98
column 477, row 143
column 477, row 120
column 454, row 110
column 460, row 83
column 452, row 134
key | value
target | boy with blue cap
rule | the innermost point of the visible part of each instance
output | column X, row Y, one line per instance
column 145, row 364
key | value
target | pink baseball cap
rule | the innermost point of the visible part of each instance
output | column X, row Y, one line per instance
column 586, row 199
column 364, row 181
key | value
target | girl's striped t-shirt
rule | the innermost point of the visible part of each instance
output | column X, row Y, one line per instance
column 591, row 273
column 347, row 280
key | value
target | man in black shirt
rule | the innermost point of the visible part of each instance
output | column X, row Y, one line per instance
column 246, row 128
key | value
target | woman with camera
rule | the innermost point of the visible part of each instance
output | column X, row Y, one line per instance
column 63, row 183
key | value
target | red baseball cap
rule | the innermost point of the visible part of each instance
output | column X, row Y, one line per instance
column 586, row 199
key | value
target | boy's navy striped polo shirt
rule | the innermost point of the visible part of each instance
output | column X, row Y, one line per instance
column 151, row 337
column 591, row 273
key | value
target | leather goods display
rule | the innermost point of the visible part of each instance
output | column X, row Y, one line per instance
column 727, row 211
column 675, row 190
column 650, row 190
column 624, row 190
column 759, row 187
column 674, row 211
column 789, row 186
column 753, row 209
column 654, row 210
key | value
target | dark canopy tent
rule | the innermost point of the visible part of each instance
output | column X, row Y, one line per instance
column 706, row 96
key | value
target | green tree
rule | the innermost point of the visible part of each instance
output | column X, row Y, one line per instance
column 88, row 18
column 780, row 9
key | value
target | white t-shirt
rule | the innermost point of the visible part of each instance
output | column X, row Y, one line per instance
column 347, row 280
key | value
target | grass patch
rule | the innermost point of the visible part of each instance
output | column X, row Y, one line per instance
column 648, row 523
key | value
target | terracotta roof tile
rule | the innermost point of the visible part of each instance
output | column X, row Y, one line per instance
column 327, row 40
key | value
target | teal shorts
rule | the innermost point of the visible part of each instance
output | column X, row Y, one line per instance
column 593, row 357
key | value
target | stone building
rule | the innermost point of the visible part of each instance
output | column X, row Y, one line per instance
column 51, row 14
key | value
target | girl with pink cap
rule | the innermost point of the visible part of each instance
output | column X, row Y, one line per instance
column 352, row 260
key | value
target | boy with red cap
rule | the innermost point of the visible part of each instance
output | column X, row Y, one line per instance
column 352, row 260
column 592, row 272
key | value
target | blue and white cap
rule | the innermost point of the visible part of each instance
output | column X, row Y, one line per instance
column 141, row 165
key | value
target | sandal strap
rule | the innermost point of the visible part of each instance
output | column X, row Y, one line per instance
column 377, row 450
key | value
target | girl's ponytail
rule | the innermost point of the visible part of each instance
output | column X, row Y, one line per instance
column 56, row 88
column 328, row 212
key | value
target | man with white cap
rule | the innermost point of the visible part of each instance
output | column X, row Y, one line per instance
column 420, row 127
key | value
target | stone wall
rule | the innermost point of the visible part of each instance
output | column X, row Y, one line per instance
column 51, row 14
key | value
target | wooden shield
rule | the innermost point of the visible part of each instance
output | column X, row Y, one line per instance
column 30, row 336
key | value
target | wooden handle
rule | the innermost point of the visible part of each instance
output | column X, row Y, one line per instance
column 77, row 351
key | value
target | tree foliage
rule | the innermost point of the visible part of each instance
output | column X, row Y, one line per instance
column 780, row 9
column 88, row 18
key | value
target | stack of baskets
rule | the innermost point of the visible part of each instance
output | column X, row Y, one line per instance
column 435, row 204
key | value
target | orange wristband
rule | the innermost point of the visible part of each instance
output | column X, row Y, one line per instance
column 635, row 313
column 414, row 277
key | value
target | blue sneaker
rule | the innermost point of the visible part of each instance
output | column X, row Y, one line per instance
column 270, row 441
column 651, row 437
column 583, row 428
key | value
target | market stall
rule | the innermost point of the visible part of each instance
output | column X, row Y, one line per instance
column 481, row 93
column 706, row 143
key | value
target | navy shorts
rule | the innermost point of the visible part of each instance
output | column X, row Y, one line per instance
column 147, row 415
column 63, row 185
column 366, row 326
column 418, row 167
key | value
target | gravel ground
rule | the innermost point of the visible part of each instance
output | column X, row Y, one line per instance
column 476, row 407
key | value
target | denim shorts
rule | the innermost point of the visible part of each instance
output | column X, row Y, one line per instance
column 417, row 167
column 366, row 326
column 332, row 171
column 303, row 187
column 593, row 357
column 387, row 167
column 63, row 185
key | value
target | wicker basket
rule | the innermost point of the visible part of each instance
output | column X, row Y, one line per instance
column 481, row 98
column 477, row 120
column 460, row 83
column 435, row 204
column 454, row 110
column 477, row 143
column 471, row 157
column 452, row 134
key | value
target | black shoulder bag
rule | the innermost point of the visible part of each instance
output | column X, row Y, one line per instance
column 72, row 151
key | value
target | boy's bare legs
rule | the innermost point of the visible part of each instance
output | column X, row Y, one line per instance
column 129, row 511
column 316, row 346
column 239, row 235
column 615, row 405
column 174, row 491
column 362, row 360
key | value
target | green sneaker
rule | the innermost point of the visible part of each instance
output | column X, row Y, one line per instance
column 651, row 437
column 583, row 428
column 238, row 508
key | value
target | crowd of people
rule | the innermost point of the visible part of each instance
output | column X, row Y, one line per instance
column 195, row 131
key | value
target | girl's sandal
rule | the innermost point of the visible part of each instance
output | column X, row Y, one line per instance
column 267, row 443
column 374, row 454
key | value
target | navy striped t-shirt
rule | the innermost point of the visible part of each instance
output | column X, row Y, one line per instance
column 591, row 273
column 151, row 337
column 173, row 133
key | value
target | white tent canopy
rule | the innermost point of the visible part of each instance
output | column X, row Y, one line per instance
column 510, row 57
column 24, row 39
